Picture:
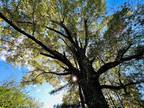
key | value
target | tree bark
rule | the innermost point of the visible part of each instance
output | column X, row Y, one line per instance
column 91, row 87
column 94, row 97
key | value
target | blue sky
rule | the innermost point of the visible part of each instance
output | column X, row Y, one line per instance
column 10, row 72
column 41, row 92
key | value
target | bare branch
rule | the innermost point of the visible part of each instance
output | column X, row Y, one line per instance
column 59, row 89
column 122, row 51
column 56, row 73
column 24, row 22
column 137, row 56
column 42, row 72
column 58, row 32
column 17, row 6
column 121, row 86
column 99, row 57
column 86, row 33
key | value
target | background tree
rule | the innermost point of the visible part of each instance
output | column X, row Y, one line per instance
column 77, row 42
column 12, row 97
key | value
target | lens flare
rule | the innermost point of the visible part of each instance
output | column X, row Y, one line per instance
column 74, row 78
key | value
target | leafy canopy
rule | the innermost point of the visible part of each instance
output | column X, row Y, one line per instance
column 12, row 97
column 62, row 29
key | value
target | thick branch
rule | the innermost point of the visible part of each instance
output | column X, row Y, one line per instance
column 110, row 65
column 86, row 33
column 137, row 56
column 121, row 86
column 107, row 66
column 47, row 55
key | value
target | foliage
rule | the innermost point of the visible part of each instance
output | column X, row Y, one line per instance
column 12, row 97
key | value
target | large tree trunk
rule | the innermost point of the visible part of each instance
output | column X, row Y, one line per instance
column 93, row 95
column 89, row 82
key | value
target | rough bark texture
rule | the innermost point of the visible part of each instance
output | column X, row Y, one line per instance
column 92, row 91
column 93, row 94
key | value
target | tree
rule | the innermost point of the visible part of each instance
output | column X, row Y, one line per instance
column 77, row 42
column 12, row 97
